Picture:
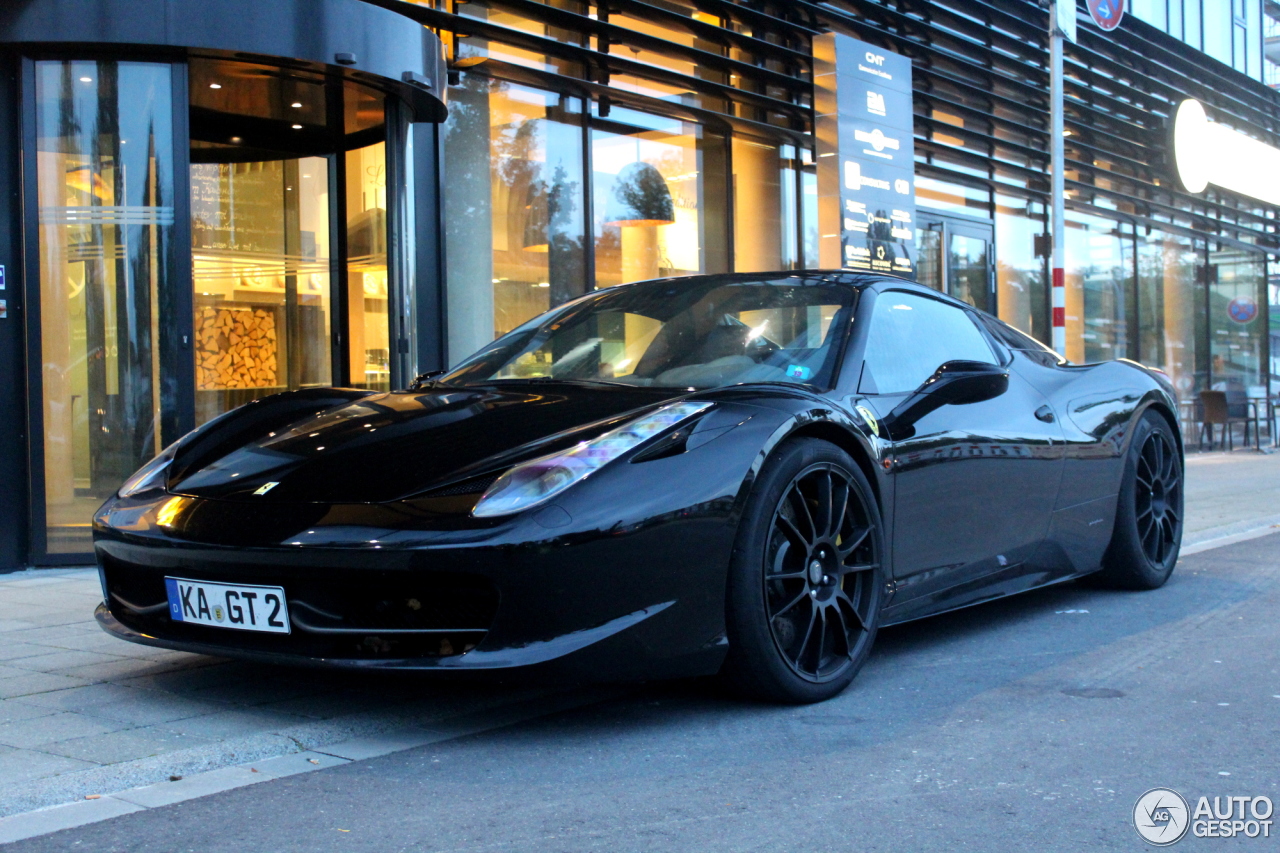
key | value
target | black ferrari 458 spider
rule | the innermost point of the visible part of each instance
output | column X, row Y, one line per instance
column 745, row 474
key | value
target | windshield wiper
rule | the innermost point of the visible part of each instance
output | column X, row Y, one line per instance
column 556, row 380
column 427, row 381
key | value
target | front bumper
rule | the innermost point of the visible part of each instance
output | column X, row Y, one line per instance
column 636, row 603
column 543, row 653
column 622, row 578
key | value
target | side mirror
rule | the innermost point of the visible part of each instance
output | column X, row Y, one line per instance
column 955, row 383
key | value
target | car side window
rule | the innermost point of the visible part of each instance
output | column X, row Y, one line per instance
column 912, row 336
column 1022, row 342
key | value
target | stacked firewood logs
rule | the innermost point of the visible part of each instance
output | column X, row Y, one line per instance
column 236, row 348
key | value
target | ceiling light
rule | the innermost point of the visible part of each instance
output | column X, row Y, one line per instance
column 86, row 79
column 297, row 127
column 215, row 85
column 235, row 139
column 296, row 106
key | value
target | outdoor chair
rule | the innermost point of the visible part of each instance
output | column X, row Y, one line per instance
column 1219, row 410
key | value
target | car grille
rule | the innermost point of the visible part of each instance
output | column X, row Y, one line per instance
column 334, row 613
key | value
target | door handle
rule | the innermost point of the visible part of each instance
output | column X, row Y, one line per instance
column 1044, row 413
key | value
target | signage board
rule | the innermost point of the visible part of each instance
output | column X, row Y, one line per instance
column 1205, row 152
column 876, row 153
column 1107, row 14
column 1242, row 310
column 1066, row 11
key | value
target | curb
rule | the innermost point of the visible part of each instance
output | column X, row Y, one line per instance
column 106, row 806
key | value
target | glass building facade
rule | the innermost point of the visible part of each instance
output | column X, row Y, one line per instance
column 200, row 227
column 215, row 217
column 554, row 106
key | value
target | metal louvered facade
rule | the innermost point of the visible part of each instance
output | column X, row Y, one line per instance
column 1155, row 273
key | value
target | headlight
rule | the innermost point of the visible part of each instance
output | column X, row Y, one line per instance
column 539, row 480
column 151, row 475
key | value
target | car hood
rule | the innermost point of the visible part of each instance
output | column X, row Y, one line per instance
column 389, row 446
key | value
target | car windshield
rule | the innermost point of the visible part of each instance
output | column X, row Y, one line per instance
column 679, row 333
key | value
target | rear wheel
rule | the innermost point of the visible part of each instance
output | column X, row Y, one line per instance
column 1148, row 532
column 806, row 585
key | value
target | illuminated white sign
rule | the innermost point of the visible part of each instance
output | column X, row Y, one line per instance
column 1206, row 152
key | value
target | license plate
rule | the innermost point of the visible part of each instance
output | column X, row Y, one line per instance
column 222, row 605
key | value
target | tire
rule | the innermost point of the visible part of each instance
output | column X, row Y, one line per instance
column 1148, row 531
column 806, row 581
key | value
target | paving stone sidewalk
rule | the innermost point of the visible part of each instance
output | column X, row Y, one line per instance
column 84, row 713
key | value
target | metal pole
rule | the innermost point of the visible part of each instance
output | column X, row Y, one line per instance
column 1057, row 158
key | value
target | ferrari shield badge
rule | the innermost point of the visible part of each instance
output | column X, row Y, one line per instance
column 870, row 419
column 266, row 487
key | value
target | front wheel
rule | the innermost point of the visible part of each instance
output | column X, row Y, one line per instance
column 1148, row 532
column 806, row 582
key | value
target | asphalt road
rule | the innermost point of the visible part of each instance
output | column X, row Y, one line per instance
column 1028, row 724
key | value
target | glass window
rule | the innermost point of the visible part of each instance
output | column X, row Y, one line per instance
column 273, row 152
column 470, row 49
column 790, row 217
column 951, row 197
column 1170, row 309
column 1237, row 322
column 764, row 207
column 1217, row 30
column 678, row 335
column 1254, row 24
column 514, row 204
column 1175, row 18
column 911, row 337
column 1021, row 282
column 1098, row 280
column 929, row 263
column 104, row 170
column 1273, row 294
column 809, row 210
column 658, row 193
column 1192, row 21
column 968, row 273
column 260, row 266
column 368, row 324
column 1154, row 12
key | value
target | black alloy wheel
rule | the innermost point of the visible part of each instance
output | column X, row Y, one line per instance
column 1158, row 497
column 820, row 560
column 806, row 584
column 1148, row 530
